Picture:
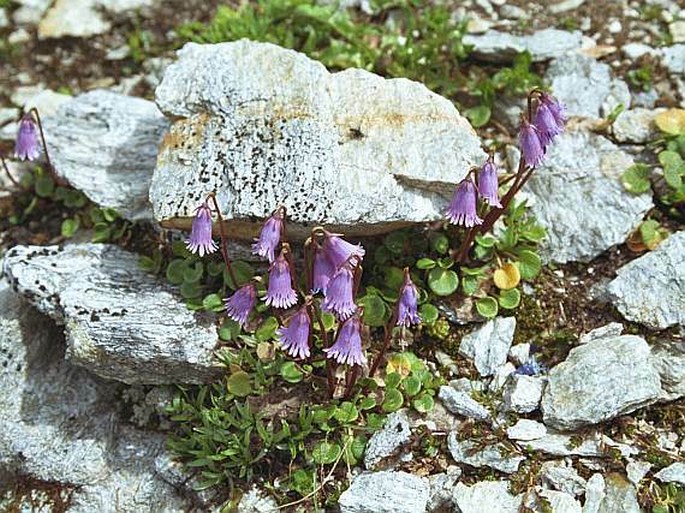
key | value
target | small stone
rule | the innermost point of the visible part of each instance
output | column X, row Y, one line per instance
column 525, row 430
column 615, row 27
column 621, row 496
column 501, row 47
column 557, row 444
column 441, row 489
column 486, row 497
column 18, row 37
column 395, row 433
column 669, row 359
column 488, row 345
column 636, row 126
column 256, row 501
column 4, row 19
column 674, row 473
column 461, row 403
column 493, row 456
column 563, row 477
column 561, row 502
column 677, row 30
column 522, row 393
column 634, row 51
column 637, row 470
column 501, row 376
column 613, row 329
column 582, row 168
column 594, row 493
column 385, row 492
column 30, row 11
column 674, row 59
column 520, row 353
column 513, row 12
column 565, row 6
column 651, row 289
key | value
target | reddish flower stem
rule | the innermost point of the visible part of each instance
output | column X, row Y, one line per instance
column 224, row 240
column 51, row 168
column 9, row 175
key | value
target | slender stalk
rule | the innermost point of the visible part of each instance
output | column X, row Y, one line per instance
column 51, row 168
column 386, row 341
column 9, row 175
column 324, row 337
column 224, row 240
column 351, row 378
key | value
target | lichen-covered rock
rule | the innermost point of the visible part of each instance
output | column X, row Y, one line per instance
column 386, row 492
column 120, row 322
column 600, row 380
column 60, row 424
column 493, row 456
column 105, row 144
column 396, row 432
column 500, row 47
column 262, row 126
column 486, row 497
column 489, row 345
column 578, row 198
column 651, row 289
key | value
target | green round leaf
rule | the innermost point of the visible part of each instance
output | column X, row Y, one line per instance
column 174, row 271
column 213, row 302
column 478, row 115
column 469, row 284
column 529, row 264
column 44, row 186
column 443, row 282
column 395, row 241
column 325, row 453
column 291, row 373
column 322, row 415
column 239, row 384
column 374, row 310
column 267, row 330
column 367, row 403
column 190, row 290
column 428, row 313
column 424, row 403
column 392, row 380
column 487, row 241
column 193, row 272
column 426, row 263
column 393, row 400
column 635, row 179
column 69, row 227
column 394, row 278
column 328, row 320
column 411, row 386
column 487, row 307
column 440, row 243
column 509, row 299
column 346, row 412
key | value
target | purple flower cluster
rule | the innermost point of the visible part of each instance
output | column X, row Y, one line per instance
column 536, row 135
column 347, row 348
column 407, row 306
column 200, row 240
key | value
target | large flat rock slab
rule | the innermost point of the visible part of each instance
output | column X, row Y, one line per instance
column 262, row 126
column 120, row 322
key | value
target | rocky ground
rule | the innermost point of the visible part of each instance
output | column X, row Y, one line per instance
column 91, row 346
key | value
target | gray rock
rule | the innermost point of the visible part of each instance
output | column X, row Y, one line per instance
column 677, row 30
column 488, row 345
column 579, row 199
column 47, row 102
column 586, row 87
column 386, row 492
column 594, row 493
column 255, row 501
column 557, row 444
column 669, row 359
column 520, row 353
column 636, row 126
column 522, row 394
column 525, row 430
column 562, row 477
column 120, row 322
column 651, row 289
column 674, row 59
column 637, row 470
column 441, row 488
column 561, row 502
column 60, row 424
column 395, row 433
column 502, row 47
column 501, row 376
column 30, row 11
column 105, row 145
column 463, row 404
column 262, row 126
column 613, row 329
column 674, row 473
column 486, row 497
column 493, row 456
column 621, row 496
column 599, row 381
column 565, row 6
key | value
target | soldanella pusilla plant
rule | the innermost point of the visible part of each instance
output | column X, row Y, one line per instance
column 327, row 280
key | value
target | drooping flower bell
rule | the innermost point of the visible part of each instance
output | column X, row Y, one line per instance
column 532, row 147
column 27, row 145
column 280, row 292
column 488, row 186
column 548, row 124
column 200, row 240
column 462, row 209
column 339, row 293
column 347, row 348
column 339, row 251
column 294, row 337
column 270, row 236
column 323, row 271
column 407, row 306
column 241, row 303
column 557, row 109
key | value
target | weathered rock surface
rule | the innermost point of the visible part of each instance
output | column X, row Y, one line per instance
column 561, row 502
column 636, row 126
column 489, row 345
column 500, row 47
column 582, row 168
column 486, row 497
column 669, row 359
column 558, row 444
column 58, row 423
column 463, row 404
column 621, row 496
column 441, row 488
column 600, row 380
column 385, row 442
column 386, row 492
column 674, row 58
column 587, row 87
column 562, row 477
column 526, row 429
column 522, row 394
column 651, row 289
column 120, row 322
column 594, row 493
column 105, row 144
column 674, row 473
column 637, row 470
column 493, row 456
column 264, row 126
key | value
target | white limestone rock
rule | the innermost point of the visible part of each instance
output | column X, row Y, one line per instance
column 502, row 47
column 105, row 144
column 525, row 430
column 489, row 345
column 636, row 126
column 669, row 359
column 383, row 443
column 561, row 502
column 263, row 126
column 493, row 456
column 486, row 497
column 522, row 393
column 620, row 496
column 563, row 477
column 651, row 289
column 461, row 403
column 386, row 492
column 674, row 473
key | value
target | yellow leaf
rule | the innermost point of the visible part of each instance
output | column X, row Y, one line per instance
column 671, row 122
column 400, row 364
column 507, row 277
column 265, row 351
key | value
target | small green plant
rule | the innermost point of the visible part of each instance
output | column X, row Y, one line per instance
column 668, row 498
